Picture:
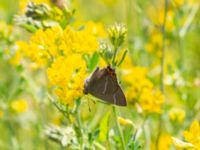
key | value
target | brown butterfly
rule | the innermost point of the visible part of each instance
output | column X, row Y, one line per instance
column 103, row 84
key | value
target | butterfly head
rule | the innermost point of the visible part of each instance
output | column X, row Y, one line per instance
column 86, row 86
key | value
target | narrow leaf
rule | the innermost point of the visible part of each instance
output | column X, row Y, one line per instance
column 104, row 127
column 93, row 61
column 122, row 59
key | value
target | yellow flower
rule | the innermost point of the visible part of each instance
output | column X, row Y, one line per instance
column 43, row 45
column 157, row 18
column 48, row 40
column 19, row 105
column 151, row 100
column 124, row 122
column 46, row 45
column 82, row 41
column 149, row 47
column 193, row 135
column 62, row 50
column 181, row 144
column 177, row 115
column 155, row 42
column 170, row 21
column 164, row 142
column 33, row 52
column 156, row 39
column 67, row 75
column 144, row 92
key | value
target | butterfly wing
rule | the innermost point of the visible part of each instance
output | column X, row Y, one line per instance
column 112, row 92
column 119, row 97
column 105, row 87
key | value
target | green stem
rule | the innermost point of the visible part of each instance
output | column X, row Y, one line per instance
column 78, row 118
column 181, row 50
column 162, row 69
column 163, row 48
column 146, row 132
column 183, row 32
column 119, row 129
column 11, row 132
column 129, row 12
column 114, row 56
column 189, row 20
column 99, row 146
column 65, row 113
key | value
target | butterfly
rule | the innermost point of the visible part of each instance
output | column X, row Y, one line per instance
column 103, row 84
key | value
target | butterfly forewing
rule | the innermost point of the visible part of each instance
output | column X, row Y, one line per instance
column 104, row 86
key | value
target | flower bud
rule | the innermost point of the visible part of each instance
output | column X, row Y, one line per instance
column 117, row 34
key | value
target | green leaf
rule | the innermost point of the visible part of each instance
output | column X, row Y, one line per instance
column 30, row 28
column 122, row 59
column 92, row 136
column 93, row 62
column 86, row 58
column 64, row 23
column 104, row 127
column 19, row 68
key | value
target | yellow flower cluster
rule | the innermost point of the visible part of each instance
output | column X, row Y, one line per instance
column 141, row 90
column 177, row 115
column 82, row 41
column 192, row 137
column 67, row 75
column 155, row 42
column 61, row 50
column 46, row 45
column 43, row 45
column 157, row 18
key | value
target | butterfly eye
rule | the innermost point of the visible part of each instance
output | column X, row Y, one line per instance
column 86, row 86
